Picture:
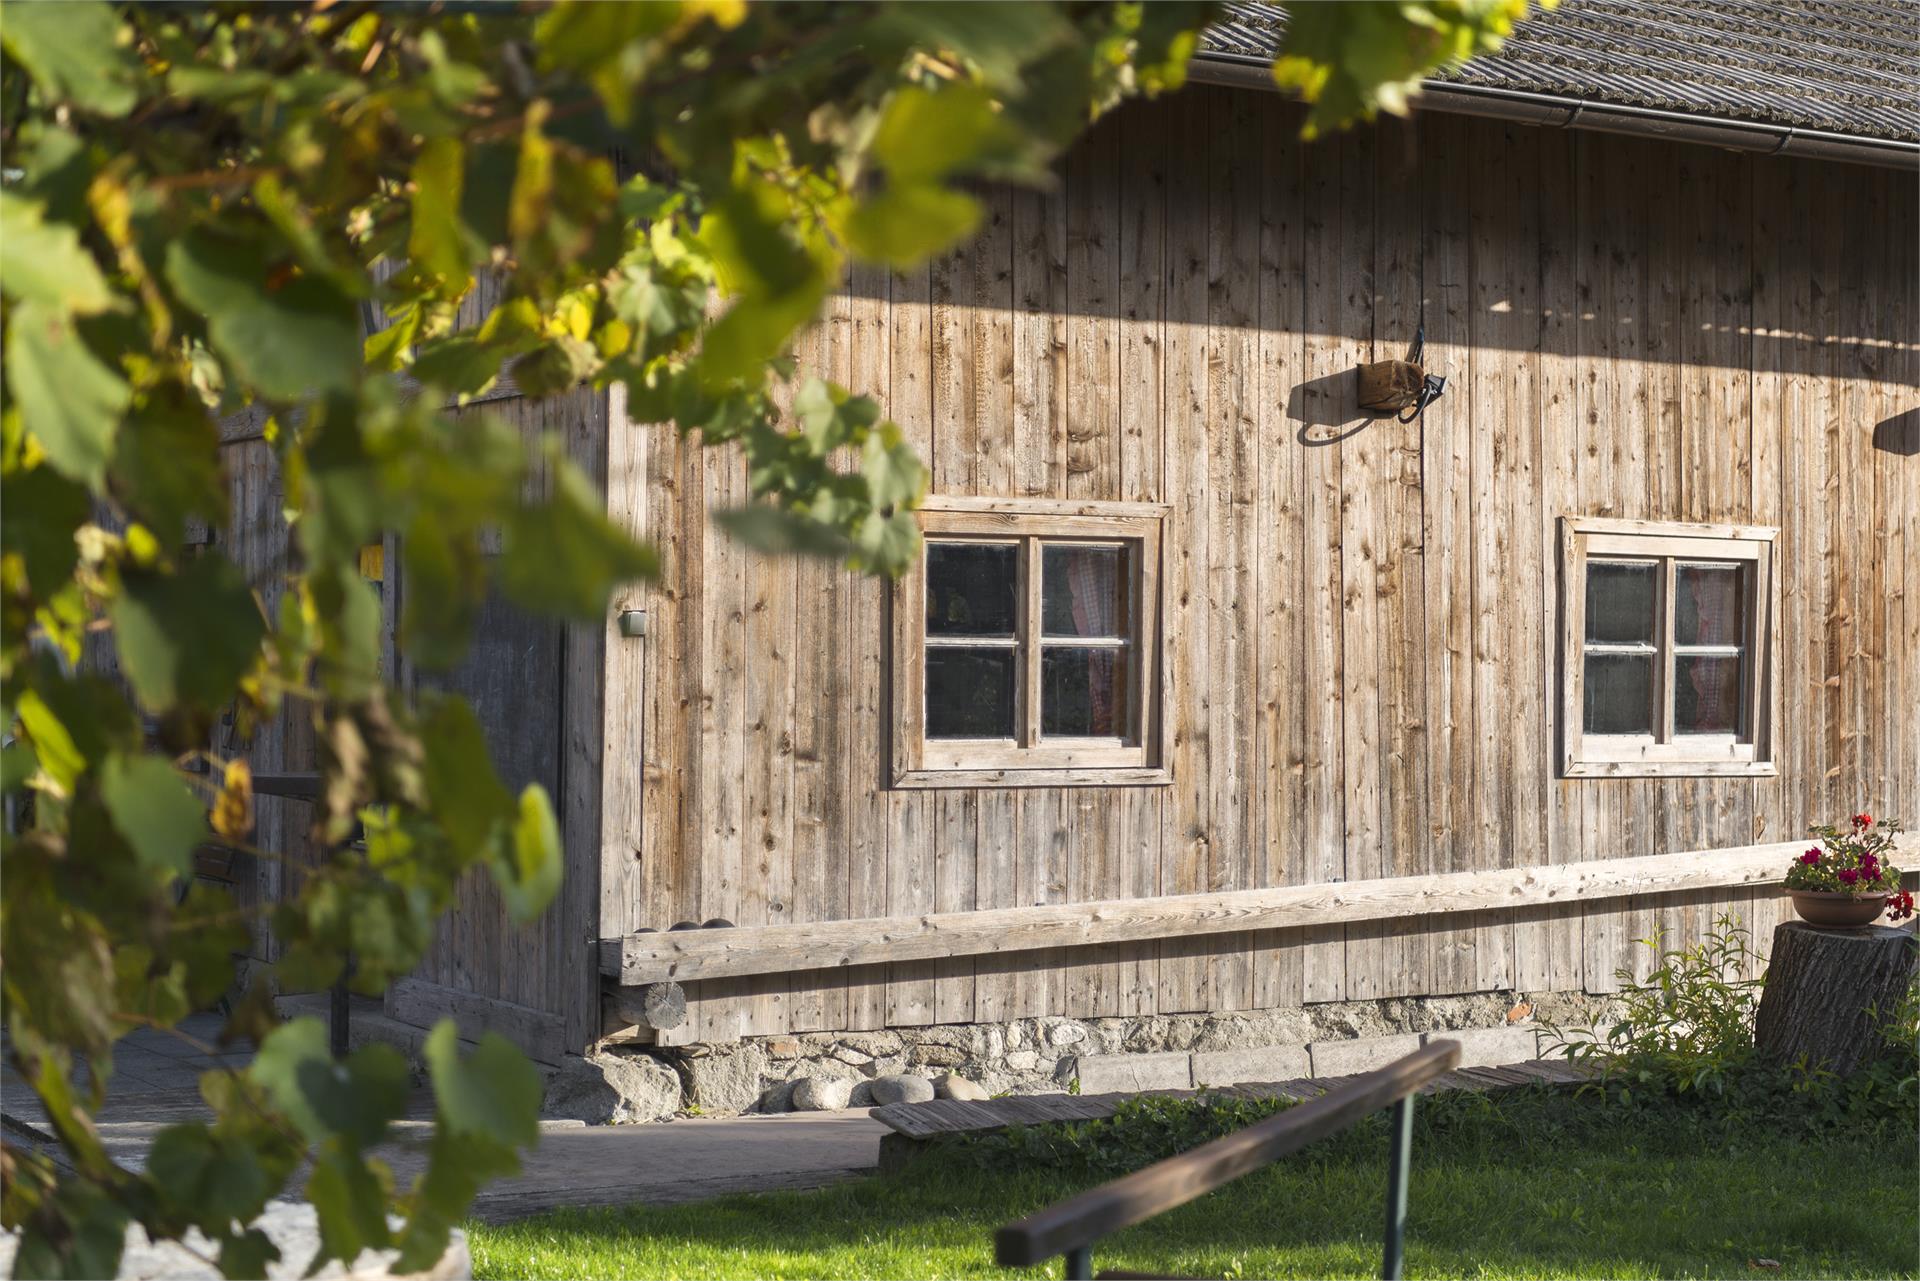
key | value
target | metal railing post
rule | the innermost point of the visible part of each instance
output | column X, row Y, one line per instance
column 1080, row 1264
column 1399, row 1159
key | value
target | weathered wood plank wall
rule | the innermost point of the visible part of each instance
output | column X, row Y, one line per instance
column 256, row 539
column 1362, row 615
column 535, row 684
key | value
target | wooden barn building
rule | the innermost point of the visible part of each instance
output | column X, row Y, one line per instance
column 1218, row 703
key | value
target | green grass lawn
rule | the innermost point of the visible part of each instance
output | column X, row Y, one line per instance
column 1539, row 1186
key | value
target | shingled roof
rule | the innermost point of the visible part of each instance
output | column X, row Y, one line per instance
column 1844, row 66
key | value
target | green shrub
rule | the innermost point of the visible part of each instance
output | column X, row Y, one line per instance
column 1685, row 1039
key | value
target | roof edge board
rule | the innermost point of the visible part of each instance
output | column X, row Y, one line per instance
column 1241, row 71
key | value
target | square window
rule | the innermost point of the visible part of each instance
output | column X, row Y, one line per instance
column 971, row 589
column 1618, row 694
column 1025, row 651
column 1083, row 692
column 1667, row 648
column 970, row 692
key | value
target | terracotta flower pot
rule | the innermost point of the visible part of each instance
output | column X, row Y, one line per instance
column 1836, row 909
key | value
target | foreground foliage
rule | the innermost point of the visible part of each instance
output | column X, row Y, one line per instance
column 288, row 212
column 1530, row 1184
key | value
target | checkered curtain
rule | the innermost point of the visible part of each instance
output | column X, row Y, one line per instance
column 1715, row 705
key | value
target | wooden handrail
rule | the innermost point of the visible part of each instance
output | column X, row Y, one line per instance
column 303, row 787
column 686, row 956
column 1076, row 1223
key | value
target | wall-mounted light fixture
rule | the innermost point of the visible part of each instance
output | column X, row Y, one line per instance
column 1400, row 387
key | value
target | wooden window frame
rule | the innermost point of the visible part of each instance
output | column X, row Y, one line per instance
column 1024, row 761
column 1663, row 754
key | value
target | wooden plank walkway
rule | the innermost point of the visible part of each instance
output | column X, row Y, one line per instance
column 919, row 1122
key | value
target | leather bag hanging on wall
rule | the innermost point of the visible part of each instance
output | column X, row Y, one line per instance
column 1400, row 387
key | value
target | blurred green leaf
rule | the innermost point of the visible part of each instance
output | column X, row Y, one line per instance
column 926, row 135
column 775, row 531
column 529, row 874
column 887, row 544
column 353, row 1099
column 246, row 1254
column 457, row 1166
column 830, row 416
column 903, row 226
column 564, row 556
column 154, row 810
column 351, row 1204
column 529, row 202
column 220, row 1179
column 493, row 1094
column 73, row 51
column 167, row 466
column 79, row 1235
column 53, row 950
column 352, row 633
column 999, row 36
column 437, row 242
column 469, row 795
column 894, row 473
column 187, row 637
column 39, row 512
column 73, row 722
column 289, row 334
column 446, row 579
column 44, row 262
column 68, row 399
column 1353, row 60
column 555, row 366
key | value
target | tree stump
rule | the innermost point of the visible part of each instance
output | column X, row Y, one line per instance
column 662, row 1006
column 1826, row 992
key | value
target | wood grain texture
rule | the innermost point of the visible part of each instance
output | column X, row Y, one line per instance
column 539, row 1034
column 1365, row 660
column 694, row 955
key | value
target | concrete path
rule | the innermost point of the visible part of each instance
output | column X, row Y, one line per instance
column 664, row 1163
column 155, row 1085
column 670, row 1162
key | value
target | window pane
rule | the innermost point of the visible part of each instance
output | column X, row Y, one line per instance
column 1083, row 590
column 1619, row 694
column 1620, row 601
column 1707, row 605
column 970, row 692
column 971, row 589
column 1083, row 692
column 1706, row 694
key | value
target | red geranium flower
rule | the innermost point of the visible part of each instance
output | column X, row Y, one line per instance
column 1863, row 820
column 1810, row 857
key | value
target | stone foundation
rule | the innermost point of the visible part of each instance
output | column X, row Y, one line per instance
column 1052, row 1055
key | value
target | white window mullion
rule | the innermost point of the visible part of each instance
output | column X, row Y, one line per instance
column 1029, row 698
column 1663, row 665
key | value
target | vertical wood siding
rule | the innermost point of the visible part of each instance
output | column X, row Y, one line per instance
column 1361, row 615
column 534, row 684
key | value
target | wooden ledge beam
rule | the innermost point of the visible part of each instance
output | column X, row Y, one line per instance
column 689, row 955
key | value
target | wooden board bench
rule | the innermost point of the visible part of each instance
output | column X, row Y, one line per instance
column 914, row 1124
column 962, row 1116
